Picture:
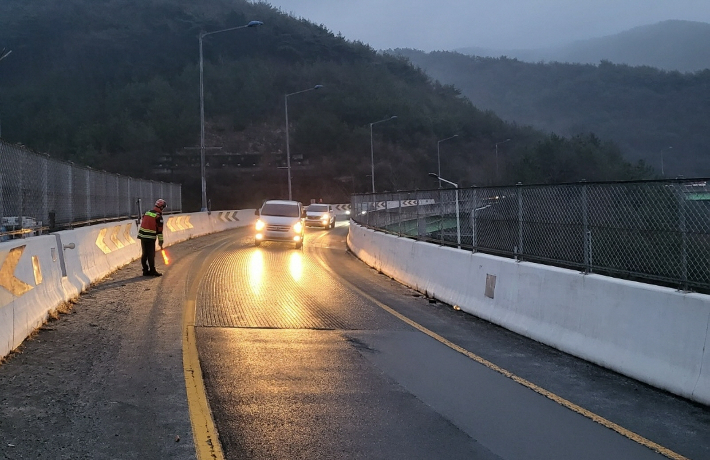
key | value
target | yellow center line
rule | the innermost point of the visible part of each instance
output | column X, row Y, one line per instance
column 558, row 399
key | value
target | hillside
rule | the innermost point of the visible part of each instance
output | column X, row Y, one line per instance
column 649, row 113
column 113, row 84
column 669, row 45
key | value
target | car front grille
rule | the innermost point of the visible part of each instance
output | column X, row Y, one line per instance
column 278, row 228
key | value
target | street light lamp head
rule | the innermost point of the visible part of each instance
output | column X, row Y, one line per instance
column 434, row 175
column 318, row 87
column 393, row 117
column 255, row 24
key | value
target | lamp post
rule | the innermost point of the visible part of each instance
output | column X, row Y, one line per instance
column 663, row 172
column 501, row 142
column 372, row 149
column 438, row 154
column 458, row 221
column 4, row 53
column 288, row 151
column 202, row 106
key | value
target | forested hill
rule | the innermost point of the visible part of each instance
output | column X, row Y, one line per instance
column 668, row 45
column 113, row 84
column 646, row 111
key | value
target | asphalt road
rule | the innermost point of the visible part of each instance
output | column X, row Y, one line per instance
column 311, row 354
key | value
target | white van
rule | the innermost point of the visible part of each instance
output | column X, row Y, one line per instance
column 280, row 220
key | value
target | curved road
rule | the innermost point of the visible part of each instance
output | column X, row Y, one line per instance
column 311, row 354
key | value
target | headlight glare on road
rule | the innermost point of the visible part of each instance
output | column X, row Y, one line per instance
column 259, row 225
column 298, row 227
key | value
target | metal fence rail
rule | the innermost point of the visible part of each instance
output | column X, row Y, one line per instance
column 657, row 231
column 38, row 194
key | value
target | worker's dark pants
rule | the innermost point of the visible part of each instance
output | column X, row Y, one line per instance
column 148, row 255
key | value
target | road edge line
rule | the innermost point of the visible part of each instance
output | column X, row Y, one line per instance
column 537, row 389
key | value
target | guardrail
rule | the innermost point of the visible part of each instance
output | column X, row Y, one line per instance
column 653, row 231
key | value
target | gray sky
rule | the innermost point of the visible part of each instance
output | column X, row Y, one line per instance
column 502, row 24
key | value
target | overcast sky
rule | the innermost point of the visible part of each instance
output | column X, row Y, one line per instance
column 501, row 24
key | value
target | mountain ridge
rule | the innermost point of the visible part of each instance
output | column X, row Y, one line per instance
column 672, row 45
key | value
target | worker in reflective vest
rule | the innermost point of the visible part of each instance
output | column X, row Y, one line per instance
column 151, row 229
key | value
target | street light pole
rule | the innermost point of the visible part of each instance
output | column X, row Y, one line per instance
column 501, row 142
column 458, row 221
column 202, row 106
column 663, row 173
column 288, row 149
column 372, row 149
column 4, row 53
column 438, row 153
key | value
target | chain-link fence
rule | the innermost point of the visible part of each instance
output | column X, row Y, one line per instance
column 655, row 231
column 38, row 194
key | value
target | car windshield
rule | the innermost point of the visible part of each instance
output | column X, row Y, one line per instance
column 318, row 208
column 280, row 209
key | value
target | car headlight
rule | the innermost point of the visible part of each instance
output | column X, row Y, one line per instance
column 259, row 226
column 325, row 217
column 298, row 227
column 347, row 213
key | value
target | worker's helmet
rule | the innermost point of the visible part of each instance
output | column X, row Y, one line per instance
column 160, row 203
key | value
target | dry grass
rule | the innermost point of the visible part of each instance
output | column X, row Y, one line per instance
column 62, row 309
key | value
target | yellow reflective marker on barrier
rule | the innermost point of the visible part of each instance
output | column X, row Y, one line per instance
column 37, row 270
column 101, row 243
column 7, row 273
column 187, row 222
column 171, row 224
column 114, row 237
column 127, row 235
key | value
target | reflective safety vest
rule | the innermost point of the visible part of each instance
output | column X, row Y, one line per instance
column 151, row 225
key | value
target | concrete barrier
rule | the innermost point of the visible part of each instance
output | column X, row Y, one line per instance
column 91, row 253
column 654, row 334
column 30, row 280
column 38, row 274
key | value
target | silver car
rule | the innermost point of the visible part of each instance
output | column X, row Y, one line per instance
column 280, row 220
column 320, row 215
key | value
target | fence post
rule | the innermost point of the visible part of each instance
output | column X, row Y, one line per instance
column 587, row 234
column 684, row 241
column 70, row 198
column 399, row 211
column 21, row 195
column 88, row 195
column 519, row 248
column 45, row 193
column 473, row 220
column 441, row 217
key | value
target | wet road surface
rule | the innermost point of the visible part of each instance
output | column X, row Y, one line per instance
column 310, row 354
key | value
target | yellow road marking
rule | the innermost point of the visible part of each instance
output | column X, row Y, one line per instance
column 7, row 273
column 204, row 430
column 558, row 399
